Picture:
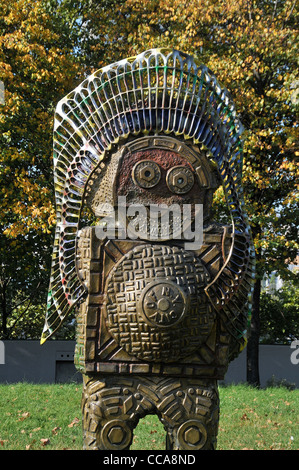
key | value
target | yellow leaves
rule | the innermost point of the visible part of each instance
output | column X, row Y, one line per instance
column 30, row 205
column 264, row 132
column 35, row 44
column 27, row 222
column 289, row 166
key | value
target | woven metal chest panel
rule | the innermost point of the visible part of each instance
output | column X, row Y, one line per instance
column 156, row 308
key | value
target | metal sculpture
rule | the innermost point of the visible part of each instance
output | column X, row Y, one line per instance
column 158, row 320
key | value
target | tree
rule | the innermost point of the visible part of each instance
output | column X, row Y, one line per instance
column 261, row 42
column 249, row 45
column 37, row 67
column 279, row 315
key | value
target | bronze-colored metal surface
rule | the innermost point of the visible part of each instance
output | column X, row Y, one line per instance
column 112, row 407
column 158, row 318
column 155, row 309
column 180, row 180
column 163, row 304
column 146, row 174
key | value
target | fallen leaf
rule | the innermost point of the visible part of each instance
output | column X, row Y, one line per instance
column 28, row 446
column 73, row 423
column 45, row 442
column 24, row 416
column 55, row 430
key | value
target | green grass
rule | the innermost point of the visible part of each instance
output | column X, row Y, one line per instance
column 48, row 417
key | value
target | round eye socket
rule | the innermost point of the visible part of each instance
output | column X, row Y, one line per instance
column 146, row 174
column 180, row 179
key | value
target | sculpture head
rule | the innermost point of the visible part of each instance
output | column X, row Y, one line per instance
column 161, row 179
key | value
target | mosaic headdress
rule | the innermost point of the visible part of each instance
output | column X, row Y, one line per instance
column 157, row 92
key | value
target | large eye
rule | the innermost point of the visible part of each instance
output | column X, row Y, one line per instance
column 180, row 179
column 146, row 174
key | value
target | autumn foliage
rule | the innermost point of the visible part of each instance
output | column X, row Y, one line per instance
column 37, row 68
column 47, row 47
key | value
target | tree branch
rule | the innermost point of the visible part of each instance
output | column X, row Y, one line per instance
column 292, row 9
column 20, row 316
column 274, row 10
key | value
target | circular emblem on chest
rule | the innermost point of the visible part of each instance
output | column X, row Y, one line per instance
column 163, row 304
column 156, row 308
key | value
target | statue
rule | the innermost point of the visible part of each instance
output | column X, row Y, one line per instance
column 159, row 316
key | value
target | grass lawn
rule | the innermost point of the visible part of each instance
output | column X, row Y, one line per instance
column 37, row 417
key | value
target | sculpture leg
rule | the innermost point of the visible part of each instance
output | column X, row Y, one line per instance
column 112, row 407
column 111, row 411
column 196, row 428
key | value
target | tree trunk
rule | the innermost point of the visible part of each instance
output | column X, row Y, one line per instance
column 253, row 374
column 3, row 309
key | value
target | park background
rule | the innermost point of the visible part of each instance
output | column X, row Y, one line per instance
column 48, row 47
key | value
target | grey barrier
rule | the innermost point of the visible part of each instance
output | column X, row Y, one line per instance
column 28, row 361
